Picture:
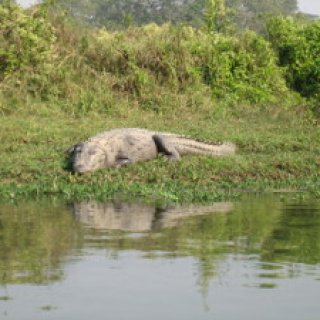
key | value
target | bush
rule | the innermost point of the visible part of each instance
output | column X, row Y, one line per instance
column 243, row 68
column 240, row 69
column 298, row 48
column 26, row 40
column 46, row 56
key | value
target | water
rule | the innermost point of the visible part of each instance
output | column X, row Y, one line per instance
column 258, row 258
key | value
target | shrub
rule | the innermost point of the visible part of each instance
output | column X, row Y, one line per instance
column 26, row 40
column 243, row 68
column 240, row 69
column 298, row 48
column 43, row 54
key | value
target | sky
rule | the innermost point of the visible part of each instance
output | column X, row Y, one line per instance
column 309, row 6
column 26, row 3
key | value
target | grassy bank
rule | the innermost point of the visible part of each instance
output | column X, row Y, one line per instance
column 202, row 84
column 274, row 152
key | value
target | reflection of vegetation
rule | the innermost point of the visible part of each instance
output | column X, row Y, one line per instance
column 297, row 236
column 257, row 226
column 48, row 307
column 33, row 240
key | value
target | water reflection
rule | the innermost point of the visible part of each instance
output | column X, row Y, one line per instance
column 34, row 239
column 269, row 233
column 154, row 260
column 37, row 239
column 139, row 217
column 296, row 237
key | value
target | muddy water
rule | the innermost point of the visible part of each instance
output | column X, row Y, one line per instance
column 258, row 258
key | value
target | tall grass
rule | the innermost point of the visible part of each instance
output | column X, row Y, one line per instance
column 47, row 58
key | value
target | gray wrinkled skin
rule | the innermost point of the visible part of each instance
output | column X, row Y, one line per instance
column 120, row 147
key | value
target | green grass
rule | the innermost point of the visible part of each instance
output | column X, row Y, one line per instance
column 279, row 152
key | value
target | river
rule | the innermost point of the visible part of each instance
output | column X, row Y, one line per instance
column 257, row 258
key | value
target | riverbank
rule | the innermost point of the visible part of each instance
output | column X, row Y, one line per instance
column 61, row 83
column 276, row 151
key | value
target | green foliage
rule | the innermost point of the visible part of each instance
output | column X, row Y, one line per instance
column 144, row 58
column 217, row 16
column 241, row 68
column 298, row 47
column 47, row 57
column 26, row 40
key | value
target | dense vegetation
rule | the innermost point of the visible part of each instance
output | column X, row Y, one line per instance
column 60, row 83
column 43, row 56
column 298, row 51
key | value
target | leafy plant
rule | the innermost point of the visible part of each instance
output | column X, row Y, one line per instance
column 298, row 48
column 26, row 40
column 217, row 16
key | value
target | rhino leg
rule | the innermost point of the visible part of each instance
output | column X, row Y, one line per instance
column 165, row 148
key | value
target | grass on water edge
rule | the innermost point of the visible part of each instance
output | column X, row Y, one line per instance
column 276, row 151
